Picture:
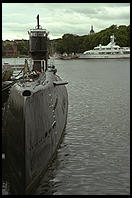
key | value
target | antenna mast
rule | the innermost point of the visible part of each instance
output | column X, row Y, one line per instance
column 38, row 21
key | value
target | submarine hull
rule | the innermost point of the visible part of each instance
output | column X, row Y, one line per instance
column 36, row 116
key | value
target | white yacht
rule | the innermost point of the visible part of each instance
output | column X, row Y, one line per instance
column 107, row 51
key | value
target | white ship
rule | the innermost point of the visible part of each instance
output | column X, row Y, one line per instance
column 107, row 51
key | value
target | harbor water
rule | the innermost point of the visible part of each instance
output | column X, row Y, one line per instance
column 94, row 156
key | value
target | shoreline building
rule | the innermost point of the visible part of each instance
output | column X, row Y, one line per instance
column 9, row 49
column 91, row 31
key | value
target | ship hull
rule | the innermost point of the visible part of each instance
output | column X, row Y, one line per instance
column 36, row 117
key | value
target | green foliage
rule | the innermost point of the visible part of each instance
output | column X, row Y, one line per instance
column 78, row 44
column 22, row 47
column 8, row 46
column 60, row 46
column 74, row 43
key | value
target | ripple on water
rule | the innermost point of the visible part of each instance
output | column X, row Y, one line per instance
column 94, row 157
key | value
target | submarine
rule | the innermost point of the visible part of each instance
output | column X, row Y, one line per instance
column 35, row 116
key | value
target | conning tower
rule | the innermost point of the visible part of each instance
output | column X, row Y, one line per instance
column 38, row 47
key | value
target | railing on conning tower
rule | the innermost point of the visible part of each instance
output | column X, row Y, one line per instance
column 42, row 64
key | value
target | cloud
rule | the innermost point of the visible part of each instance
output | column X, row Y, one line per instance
column 61, row 18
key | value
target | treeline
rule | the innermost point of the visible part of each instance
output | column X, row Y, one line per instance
column 78, row 44
column 74, row 43
column 23, row 48
column 15, row 48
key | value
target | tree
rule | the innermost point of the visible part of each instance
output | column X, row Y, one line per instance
column 60, row 46
column 22, row 48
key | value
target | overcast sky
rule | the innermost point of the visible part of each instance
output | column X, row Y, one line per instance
column 61, row 18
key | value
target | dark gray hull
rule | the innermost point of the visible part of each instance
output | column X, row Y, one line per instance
column 36, row 116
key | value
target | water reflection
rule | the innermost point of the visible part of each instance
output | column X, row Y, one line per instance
column 49, row 182
column 94, row 157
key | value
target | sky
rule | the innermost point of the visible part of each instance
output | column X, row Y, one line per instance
column 61, row 18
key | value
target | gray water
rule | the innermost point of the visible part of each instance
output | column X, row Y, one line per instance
column 94, row 157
